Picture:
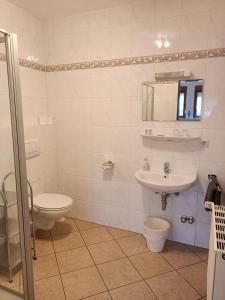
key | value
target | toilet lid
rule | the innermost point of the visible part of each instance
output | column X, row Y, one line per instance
column 52, row 201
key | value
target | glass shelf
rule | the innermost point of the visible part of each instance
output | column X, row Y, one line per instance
column 162, row 137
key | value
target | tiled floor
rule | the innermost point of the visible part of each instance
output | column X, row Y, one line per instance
column 83, row 260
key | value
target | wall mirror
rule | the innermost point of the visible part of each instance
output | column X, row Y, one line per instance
column 179, row 100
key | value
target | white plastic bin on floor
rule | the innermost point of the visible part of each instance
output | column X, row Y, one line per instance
column 156, row 232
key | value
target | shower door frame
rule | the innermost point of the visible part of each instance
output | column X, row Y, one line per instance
column 15, row 99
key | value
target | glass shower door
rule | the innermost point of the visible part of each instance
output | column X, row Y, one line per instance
column 16, row 278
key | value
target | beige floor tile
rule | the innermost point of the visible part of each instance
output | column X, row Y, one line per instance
column 171, row 286
column 44, row 246
column 102, row 296
column 74, row 259
column 180, row 256
column 82, row 283
column 135, row 291
column 200, row 252
column 67, row 226
column 4, row 279
column 49, row 289
column 118, row 273
column 120, row 233
column 45, row 266
column 67, row 241
column 17, row 289
column 133, row 245
column 150, row 264
column 96, row 235
column 106, row 251
column 84, row 225
column 196, row 276
column 10, row 294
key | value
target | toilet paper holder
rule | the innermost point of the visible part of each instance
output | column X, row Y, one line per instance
column 108, row 165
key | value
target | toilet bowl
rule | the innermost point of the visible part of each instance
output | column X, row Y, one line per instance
column 49, row 208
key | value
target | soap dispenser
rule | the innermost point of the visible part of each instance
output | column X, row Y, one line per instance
column 146, row 165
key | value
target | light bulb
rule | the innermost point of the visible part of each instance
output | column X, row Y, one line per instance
column 166, row 44
column 159, row 43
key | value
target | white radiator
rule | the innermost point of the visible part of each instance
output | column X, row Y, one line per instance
column 216, row 262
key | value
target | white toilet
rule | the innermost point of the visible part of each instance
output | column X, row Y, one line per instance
column 49, row 208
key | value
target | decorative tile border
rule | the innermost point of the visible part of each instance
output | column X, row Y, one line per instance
column 32, row 65
column 26, row 63
column 166, row 58
column 191, row 55
column 216, row 52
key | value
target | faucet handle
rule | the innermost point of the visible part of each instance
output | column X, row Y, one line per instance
column 166, row 164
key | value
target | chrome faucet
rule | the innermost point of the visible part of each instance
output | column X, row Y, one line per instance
column 166, row 167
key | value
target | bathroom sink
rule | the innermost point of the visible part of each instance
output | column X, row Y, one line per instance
column 158, row 182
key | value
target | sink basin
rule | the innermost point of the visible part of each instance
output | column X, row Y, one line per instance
column 158, row 182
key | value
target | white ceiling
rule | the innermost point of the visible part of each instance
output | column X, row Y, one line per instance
column 48, row 9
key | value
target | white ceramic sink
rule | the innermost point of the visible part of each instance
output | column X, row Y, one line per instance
column 158, row 182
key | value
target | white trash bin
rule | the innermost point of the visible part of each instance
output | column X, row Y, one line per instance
column 156, row 232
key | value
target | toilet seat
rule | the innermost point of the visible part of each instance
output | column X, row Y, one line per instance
column 52, row 202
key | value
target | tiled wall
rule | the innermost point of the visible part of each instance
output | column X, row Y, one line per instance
column 98, row 111
column 41, row 170
column 131, row 30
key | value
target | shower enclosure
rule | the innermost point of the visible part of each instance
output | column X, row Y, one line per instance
column 16, row 276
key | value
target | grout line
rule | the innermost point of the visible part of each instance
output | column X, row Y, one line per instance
column 176, row 270
column 93, row 261
column 191, row 264
column 134, row 266
column 58, row 265
column 191, row 286
column 200, row 296
column 88, row 245
column 196, row 254
column 88, row 297
column 51, row 276
column 70, row 249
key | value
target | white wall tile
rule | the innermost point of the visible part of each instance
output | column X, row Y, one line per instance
column 192, row 6
column 167, row 9
column 185, row 204
column 195, row 31
column 183, row 232
column 216, row 29
column 203, row 216
column 168, row 30
column 202, row 235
